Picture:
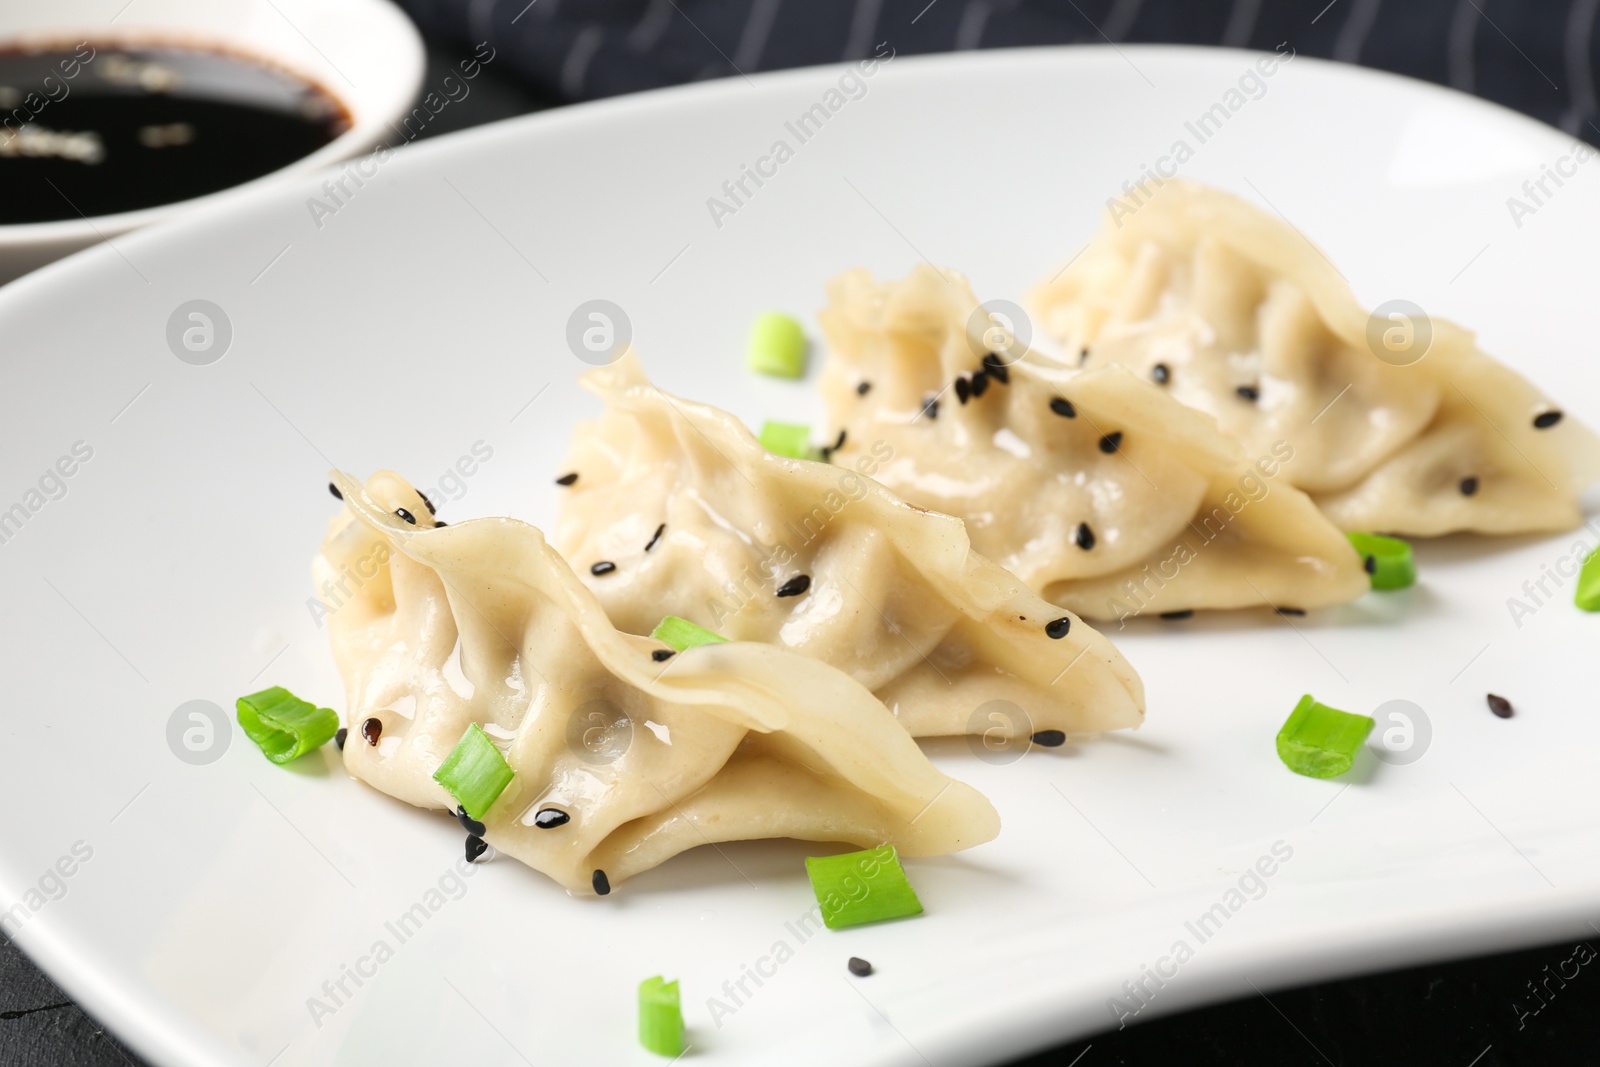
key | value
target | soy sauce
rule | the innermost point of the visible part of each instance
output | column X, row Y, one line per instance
column 90, row 130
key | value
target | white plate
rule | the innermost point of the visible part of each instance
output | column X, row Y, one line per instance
column 415, row 323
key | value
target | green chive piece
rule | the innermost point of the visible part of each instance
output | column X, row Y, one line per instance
column 777, row 346
column 1387, row 559
column 475, row 772
column 1588, row 595
column 862, row 887
column 1321, row 742
column 788, row 439
column 660, row 1017
column 679, row 634
column 283, row 726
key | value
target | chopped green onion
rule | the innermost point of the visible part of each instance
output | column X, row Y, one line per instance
column 1588, row 595
column 660, row 1017
column 283, row 725
column 777, row 346
column 1387, row 559
column 1321, row 742
column 862, row 887
column 474, row 772
column 788, row 439
column 680, row 634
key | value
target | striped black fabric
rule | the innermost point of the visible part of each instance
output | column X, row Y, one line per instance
column 1537, row 56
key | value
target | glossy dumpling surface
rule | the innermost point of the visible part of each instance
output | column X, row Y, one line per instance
column 678, row 510
column 1399, row 423
column 481, row 622
column 1098, row 489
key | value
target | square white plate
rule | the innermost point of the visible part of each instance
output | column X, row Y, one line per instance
column 426, row 313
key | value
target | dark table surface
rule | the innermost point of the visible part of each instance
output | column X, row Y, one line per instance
column 1473, row 1013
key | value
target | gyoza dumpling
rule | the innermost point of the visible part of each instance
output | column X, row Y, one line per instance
column 696, row 519
column 483, row 623
column 1097, row 489
column 1236, row 314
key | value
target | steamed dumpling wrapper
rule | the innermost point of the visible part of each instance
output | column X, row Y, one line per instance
column 702, row 522
column 1097, row 489
column 1434, row 437
column 482, row 622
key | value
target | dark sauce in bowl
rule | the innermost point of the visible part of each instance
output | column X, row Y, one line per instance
column 96, row 129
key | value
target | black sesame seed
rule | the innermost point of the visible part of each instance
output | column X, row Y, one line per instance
column 567, row 479
column 1177, row 616
column 1501, row 706
column 829, row 450
column 862, row 388
column 1546, row 419
column 1248, row 392
column 469, row 824
column 1161, row 373
column 1056, row 629
column 997, row 369
column 339, row 738
column 1469, row 485
column 656, row 537
column 550, row 818
column 661, row 655
column 1085, row 536
column 930, row 407
column 1063, row 407
column 859, row 967
column 427, row 503
column 334, row 489
column 602, row 884
column 1050, row 738
column 1291, row 611
column 963, row 389
column 1370, row 564
column 440, row 524
column 605, row 566
column 1083, row 356
column 1111, row 442
column 476, row 846
column 406, row 515
column 372, row 729
column 795, row 586
column 980, row 382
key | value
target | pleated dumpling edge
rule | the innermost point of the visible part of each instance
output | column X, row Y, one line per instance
column 1098, row 489
column 482, row 622
column 677, row 509
column 1400, row 421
